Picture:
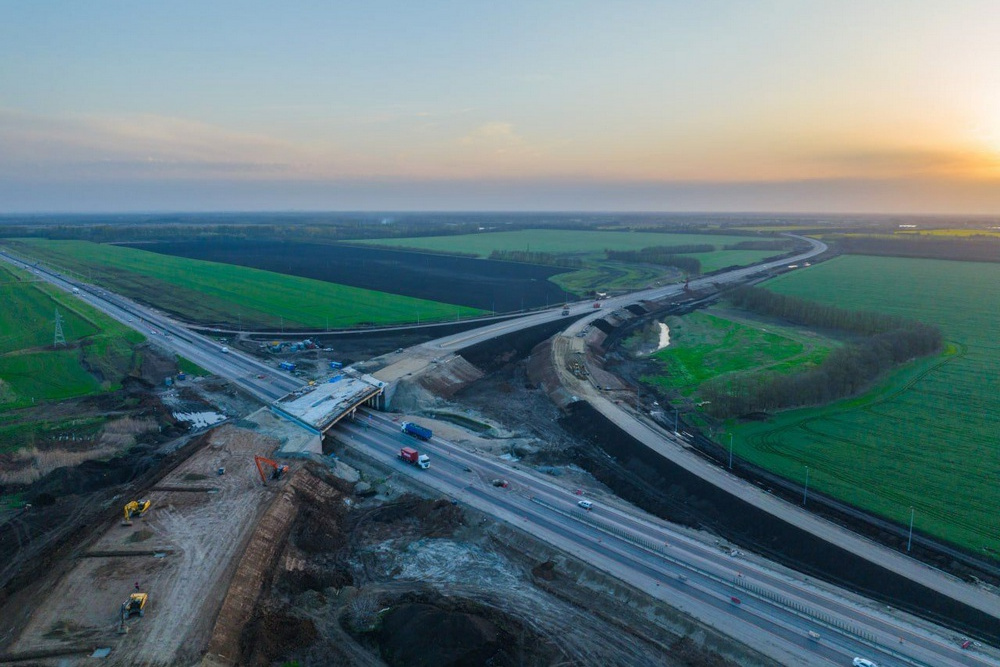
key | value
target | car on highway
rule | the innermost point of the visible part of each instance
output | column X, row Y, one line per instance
column 864, row 662
column 586, row 504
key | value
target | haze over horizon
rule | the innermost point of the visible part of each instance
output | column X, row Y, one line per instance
column 774, row 106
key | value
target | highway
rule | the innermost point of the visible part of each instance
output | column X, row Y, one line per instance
column 260, row 380
column 775, row 613
column 465, row 339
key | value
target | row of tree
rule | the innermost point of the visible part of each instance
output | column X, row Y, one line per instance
column 813, row 314
column 762, row 245
column 976, row 248
column 529, row 257
column 846, row 371
column 661, row 256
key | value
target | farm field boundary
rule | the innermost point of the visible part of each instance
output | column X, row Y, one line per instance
column 210, row 292
column 98, row 351
column 588, row 246
column 924, row 438
column 475, row 283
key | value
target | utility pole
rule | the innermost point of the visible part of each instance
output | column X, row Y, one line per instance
column 58, row 338
column 805, row 492
column 909, row 540
column 675, row 433
column 731, row 451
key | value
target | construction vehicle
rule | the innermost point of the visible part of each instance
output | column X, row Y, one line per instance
column 277, row 470
column 135, row 508
column 414, row 458
column 135, row 604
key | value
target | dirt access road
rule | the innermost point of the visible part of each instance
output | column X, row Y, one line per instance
column 198, row 536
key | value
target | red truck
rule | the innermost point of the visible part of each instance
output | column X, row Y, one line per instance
column 411, row 456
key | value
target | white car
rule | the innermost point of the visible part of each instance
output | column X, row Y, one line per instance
column 864, row 662
column 585, row 504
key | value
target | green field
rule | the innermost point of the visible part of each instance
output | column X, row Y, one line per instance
column 210, row 292
column 555, row 241
column 927, row 436
column 598, row 273
column 98, row 352
column 704, row 345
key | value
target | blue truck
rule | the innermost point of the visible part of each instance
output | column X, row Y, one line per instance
column 417, row 431
column 336, row 364
column 286, row 366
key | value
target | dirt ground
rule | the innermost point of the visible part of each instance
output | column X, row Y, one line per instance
column 407, row 580
column 182, row 554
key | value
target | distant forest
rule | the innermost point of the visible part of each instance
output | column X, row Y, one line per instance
column 975, row 248
column 665, row 255
column 887, row 342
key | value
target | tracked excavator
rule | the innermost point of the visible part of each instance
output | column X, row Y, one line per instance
column 277, row 470
column 135, row 604
column 135, row 508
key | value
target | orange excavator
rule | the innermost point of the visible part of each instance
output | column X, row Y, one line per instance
column 277, row 470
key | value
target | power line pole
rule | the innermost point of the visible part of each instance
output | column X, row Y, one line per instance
column 58, row 338
column 805, row 492
column 909, row 540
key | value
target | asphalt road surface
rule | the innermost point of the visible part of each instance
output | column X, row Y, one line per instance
column 775, row 613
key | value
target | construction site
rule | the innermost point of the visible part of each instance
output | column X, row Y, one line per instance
column 230, row 551
column 232, row 558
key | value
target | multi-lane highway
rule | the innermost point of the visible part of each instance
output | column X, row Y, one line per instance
column 775, row 613
column 255, row 377
column 786, row 617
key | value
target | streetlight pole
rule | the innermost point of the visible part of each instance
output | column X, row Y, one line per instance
column 730, row 451
column 675, row 423
column 805, row 492
column 909, row 540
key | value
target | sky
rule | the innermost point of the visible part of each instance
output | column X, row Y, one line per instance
column 768, row 106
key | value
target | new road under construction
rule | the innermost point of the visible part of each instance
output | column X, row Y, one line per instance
column 320, row 530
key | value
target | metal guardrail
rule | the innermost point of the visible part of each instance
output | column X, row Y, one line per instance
column 789, row 605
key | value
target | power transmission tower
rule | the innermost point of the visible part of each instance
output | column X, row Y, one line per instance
column 58, row 339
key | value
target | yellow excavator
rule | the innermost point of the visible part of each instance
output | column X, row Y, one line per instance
column 135, row 508
column 135, row 604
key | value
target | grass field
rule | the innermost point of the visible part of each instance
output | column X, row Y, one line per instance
column 926, row 437
column 589, row 247
column 98, row 355
column 963, row 233
column 210, row 292
column 704, row 345
column 561, row 242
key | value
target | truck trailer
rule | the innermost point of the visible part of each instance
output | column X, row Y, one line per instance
column 417, row 431
column 414, row 458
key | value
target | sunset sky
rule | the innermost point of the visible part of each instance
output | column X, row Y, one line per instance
column 803, row 106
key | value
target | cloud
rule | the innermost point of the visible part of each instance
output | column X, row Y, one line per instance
column 137, row 145
column 495, row 137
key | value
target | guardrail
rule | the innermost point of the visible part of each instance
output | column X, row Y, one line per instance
column 792, row 606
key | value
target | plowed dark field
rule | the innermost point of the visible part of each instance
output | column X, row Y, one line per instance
column 479, row 283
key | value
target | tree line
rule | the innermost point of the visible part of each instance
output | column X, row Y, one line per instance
column 888, row 343
column 529, row 257
column 762, row 245
column 975, row 248
column 663, row 256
